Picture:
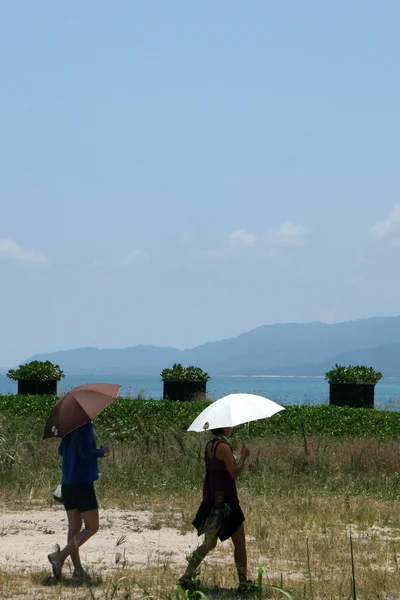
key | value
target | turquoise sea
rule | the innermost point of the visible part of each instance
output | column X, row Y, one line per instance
column 286, row 390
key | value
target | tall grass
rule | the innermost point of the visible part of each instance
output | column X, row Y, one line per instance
column 166, row 463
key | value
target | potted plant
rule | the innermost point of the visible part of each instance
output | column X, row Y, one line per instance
column 37, row 377
column 352, row 386
column 184, row 383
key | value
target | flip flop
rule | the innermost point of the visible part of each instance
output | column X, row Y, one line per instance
column 84, row 578
column 54, row 560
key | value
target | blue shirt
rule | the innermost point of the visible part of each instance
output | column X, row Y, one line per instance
column 79, row 456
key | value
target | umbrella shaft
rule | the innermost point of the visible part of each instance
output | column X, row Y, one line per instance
column 97, row 437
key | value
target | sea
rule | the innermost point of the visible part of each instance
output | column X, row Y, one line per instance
column 311, row 391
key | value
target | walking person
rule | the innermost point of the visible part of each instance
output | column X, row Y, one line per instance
column 220, row 515
column 79, row 472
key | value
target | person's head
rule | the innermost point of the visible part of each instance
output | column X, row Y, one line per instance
column 226, row 431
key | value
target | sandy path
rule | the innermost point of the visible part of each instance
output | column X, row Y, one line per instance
column 26, row 537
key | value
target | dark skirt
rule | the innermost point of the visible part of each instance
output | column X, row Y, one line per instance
column 223, row 521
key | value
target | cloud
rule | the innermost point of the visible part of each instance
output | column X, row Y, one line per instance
column 236, row 242
column 289, row 235
column 241, row 237
column 389, row 228
column 10, row 249
column 133, row 258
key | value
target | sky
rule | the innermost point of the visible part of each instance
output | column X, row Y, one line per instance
column 178, row 172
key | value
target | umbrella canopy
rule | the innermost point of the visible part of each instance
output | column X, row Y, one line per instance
column 78, row 407
column 233, row 410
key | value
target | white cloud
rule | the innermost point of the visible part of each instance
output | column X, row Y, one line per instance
column 10, row 249
column 134, row 257
column 389, row 228
column 289, row 234
column 241, row 237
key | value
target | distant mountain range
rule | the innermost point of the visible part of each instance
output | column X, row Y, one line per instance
column 283, row 349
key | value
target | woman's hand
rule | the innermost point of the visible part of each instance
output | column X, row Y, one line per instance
column 106, row 450
column 245, row 452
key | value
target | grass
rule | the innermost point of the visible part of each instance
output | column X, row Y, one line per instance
column 322, row 514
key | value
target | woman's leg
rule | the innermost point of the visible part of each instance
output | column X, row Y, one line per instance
column 57, row 559
column 209, row 543
column 91, row 521
column 74, row 526
column 239, row 542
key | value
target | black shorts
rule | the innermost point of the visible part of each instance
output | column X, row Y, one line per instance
column 224, row 523
column 80, row 496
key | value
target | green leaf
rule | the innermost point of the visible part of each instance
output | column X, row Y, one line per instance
column 353, row 374
column 179, row 373
column 36, row 370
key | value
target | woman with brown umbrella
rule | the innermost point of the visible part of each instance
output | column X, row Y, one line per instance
column 80, row 471
column 70, row 419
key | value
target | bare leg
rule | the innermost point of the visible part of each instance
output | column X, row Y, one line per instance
column 239, row 542
column 74, row 526
column 209, row 543
column 91, row 521
column 57, row 559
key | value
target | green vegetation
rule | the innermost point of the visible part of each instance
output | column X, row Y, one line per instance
column 121, row 419
column 179, row 373
column 36, row 370
column 353, row 375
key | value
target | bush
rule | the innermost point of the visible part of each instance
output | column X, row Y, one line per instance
column 179, row 373
column 125, row 416
column 37, row 370
column 353, row 375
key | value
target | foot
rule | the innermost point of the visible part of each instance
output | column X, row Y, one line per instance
column 80, row 577
column 79, row 574
column 247, row 587
column 187, row 583
column 55, row 561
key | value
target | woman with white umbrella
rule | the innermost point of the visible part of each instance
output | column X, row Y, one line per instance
column 220, row 515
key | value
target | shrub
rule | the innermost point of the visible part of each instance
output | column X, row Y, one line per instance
column 36, row 370
column 125, row 416
column 179, row 373
column 353, row 375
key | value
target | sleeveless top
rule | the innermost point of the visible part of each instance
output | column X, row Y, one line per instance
column 217, row 477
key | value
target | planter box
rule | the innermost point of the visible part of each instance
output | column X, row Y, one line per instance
column 36, row 387
column 183, row 390
column 357, row 395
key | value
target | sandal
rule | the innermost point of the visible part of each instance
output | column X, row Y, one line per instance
column 187, row 583
column 81, row 578
column 247, row 587
column 54, row 560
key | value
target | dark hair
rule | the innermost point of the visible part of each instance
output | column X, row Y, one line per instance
column 218, row 431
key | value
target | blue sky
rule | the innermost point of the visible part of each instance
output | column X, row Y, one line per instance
column 178, row 172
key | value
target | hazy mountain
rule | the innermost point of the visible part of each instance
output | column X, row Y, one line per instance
column 284, row 349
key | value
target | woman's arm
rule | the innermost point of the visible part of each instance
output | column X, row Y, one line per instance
column 224, row 452
column 87, row 447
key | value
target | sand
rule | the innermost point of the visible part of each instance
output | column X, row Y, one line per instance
column 133, row 537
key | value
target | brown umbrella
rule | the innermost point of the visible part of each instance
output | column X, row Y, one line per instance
column 79, row 406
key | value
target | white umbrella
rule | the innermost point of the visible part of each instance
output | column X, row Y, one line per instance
column 233, row 410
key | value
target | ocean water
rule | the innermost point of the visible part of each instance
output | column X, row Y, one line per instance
column 285, row 390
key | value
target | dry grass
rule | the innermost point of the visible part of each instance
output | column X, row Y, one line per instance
column 302, row 489
column 277, row 530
